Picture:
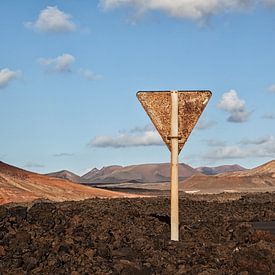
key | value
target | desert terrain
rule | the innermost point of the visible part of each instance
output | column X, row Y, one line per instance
column 132, row 236
column 202, row 180
column 259, row 179
column 18, row 185
column 50, row 225
column 142, row 173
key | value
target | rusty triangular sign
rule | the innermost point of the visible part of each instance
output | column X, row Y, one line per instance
column 158, row 107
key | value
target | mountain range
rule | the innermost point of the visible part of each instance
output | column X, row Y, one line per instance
column 18, row 185
column 259, row 178
column 143, row 173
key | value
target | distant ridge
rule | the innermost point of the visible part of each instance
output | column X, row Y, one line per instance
column 18, row 185
column 142, row 173
column 259, row 177
column 95, row 173
column 220, row 169
column 65, row 174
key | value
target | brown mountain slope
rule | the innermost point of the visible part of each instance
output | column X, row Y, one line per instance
column 142, row 173
column 18, row 185
column 64, row 174
column 261, row 177
column 94, row 173
column 265, row 169
column 220, row 169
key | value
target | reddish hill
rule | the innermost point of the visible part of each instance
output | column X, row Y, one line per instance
column 142, row 173
column 64, row 174
column 220, row 169
column 261, row 177
column 18, row 185
column 95, row 173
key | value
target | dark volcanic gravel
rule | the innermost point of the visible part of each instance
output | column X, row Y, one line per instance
column 132, row 236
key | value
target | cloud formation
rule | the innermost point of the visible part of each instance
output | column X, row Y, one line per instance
column 31, row 164
column 133, row 138
column 232, row 104
column 52, row 20
column 271, row 88
column 226, row 152
column 261, row 147
column 204, row 124
column 257, row 141
column 60, row 64
column 89, row 75
column 60, row 155
column 269, row 3
column 6, row 76
column 215, row 142
column 146, row 128
column 187, row 9
column 269, row 116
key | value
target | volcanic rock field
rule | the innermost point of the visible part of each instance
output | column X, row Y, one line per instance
column 132, row 236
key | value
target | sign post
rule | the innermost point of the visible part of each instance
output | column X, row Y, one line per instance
column 174, row 167
column 174, row 114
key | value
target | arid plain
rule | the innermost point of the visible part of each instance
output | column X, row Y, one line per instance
column 56, row 226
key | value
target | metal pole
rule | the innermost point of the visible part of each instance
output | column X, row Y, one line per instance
column 174, row 168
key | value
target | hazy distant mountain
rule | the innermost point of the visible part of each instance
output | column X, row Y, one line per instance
column 18, row 185
column 220, row 169
column 95, row 173
column 64, row 174
column 257, row 178
column 226, row 176
column 142, row 173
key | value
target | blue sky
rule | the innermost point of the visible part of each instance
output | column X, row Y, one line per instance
column 69, row 72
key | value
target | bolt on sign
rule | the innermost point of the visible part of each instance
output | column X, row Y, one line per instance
column 174, row 114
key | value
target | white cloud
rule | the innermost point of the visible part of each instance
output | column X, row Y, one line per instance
column 189, row 9
column 146, row 128
column 63, row 155
column 271, row 88
column 257, row 141
column 226, row 152
column 31, row 164
column 269, row 116
column 215, row 143
column 61, row 63
column 240, row 116
column 204, row 124
column 89, row 75
column 254, row 148
column 268, row 2
column 231, row 103
column 52, row 20
column 6, row 76
column 133, row 138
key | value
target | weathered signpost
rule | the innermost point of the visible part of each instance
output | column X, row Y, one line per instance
column 174, row 114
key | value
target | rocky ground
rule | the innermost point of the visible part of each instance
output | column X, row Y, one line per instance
column 132, row 236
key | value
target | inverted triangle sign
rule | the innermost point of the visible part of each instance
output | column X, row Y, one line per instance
column 158, row 107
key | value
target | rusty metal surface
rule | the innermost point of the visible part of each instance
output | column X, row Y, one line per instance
column 158, row 107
